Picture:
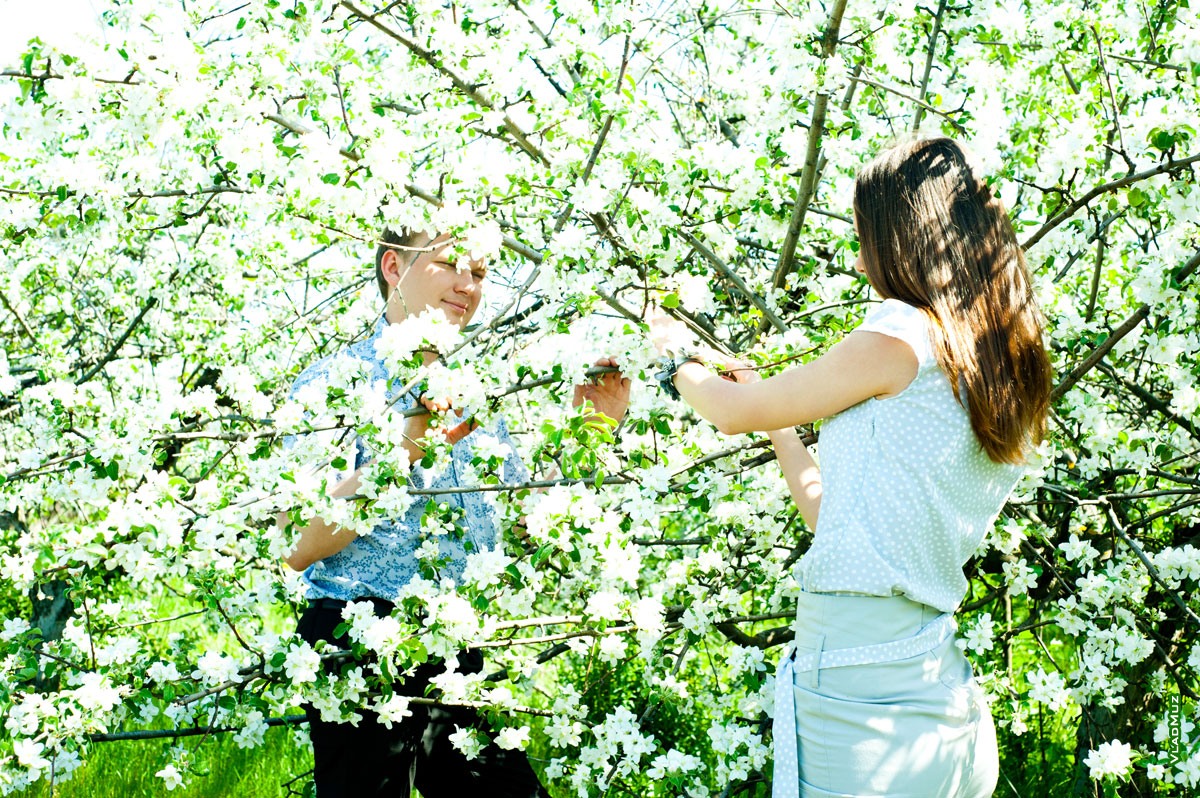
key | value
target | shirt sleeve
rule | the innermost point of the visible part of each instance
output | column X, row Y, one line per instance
column 515, row 472
column 317, row 376
column 903, row 321
column 307, row 376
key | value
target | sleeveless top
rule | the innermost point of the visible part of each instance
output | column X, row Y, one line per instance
column 908, row 492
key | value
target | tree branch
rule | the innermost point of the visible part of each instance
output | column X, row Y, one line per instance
column 920, row 103
column 471, row 91
column 120, row 342
column 1104, row 188
column 808, row 178
column 1097, row 354
column 737, row 281
column 1127, row 326
column 937, row 28
column 1141, row 555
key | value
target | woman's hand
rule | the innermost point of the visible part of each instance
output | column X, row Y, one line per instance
column 608, row 393
column 734, row 370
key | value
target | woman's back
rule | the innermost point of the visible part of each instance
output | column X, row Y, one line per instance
column 909, row 493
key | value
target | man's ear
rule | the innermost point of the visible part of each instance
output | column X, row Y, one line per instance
column 392, row 265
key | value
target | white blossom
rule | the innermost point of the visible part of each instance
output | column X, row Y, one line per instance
column 466, row 740
column 171, row 777
column 1110, row 759
column 512, row 738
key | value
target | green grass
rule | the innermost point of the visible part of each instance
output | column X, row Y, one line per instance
column 126, row 769
column 1040, row 762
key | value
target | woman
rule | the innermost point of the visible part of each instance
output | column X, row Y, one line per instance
column 931, row 405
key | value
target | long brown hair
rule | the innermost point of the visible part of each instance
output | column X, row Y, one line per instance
column 932, row 234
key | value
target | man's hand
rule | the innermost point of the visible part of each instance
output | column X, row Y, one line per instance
column 453, row 434
column 608, row 393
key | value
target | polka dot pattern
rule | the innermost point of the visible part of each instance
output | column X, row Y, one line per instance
column 909, row 494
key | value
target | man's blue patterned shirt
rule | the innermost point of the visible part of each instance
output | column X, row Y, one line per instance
column 383, row 562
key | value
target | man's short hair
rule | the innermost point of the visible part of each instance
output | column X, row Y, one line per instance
column 395, row 240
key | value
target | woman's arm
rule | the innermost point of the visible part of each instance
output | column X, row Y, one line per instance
column 861, row 365
column 799, row 469
column 801, row 473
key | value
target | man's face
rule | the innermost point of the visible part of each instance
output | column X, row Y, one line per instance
column 434, row 280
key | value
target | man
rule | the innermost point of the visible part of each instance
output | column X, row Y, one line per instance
column 414, row 274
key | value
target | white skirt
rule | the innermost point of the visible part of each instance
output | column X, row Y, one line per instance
column 883, row 703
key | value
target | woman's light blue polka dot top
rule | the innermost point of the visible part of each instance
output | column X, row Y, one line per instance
column 908, row 492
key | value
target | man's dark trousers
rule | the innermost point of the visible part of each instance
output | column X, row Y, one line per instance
column 372, row 760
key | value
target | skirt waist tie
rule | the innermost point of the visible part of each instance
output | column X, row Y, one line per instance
column 784, row 733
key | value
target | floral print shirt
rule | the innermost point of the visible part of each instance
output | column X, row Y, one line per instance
column 381, row 563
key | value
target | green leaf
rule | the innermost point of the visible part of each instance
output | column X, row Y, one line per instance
column 261, row 450
column 512, row 571
column 1162, row 139
column 671, row 301
column 339, row 463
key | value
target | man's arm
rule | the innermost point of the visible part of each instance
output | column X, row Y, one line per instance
column 320, row 539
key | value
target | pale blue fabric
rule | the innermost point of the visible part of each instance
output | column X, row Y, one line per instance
column 908, row 492
column 908, row 496
column 382, row 562
column 874, row 700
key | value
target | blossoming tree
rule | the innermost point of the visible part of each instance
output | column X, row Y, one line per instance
column 190, row 201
